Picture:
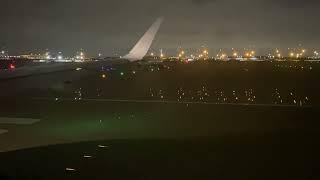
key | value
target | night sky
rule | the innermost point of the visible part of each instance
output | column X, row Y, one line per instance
column 110, row 26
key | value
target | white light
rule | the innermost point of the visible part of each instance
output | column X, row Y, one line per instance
column 70, row 169
column 59, row 57
column 102, row 146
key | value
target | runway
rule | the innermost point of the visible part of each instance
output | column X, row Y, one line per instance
column 172, row 102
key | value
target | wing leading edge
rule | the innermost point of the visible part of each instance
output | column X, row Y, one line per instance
column 144, row 44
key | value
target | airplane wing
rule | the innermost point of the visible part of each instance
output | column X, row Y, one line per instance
column 144, row 44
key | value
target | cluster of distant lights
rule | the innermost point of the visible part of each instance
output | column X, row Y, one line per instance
column 46, row 56
column 219, row 96
column 80, row 56
column 297, row 54
column 182, row 54
column 204, row 54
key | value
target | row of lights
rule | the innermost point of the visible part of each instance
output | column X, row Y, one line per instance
column 80, row 56
column 204, row 54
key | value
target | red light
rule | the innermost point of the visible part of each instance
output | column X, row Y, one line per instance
column 12, row 66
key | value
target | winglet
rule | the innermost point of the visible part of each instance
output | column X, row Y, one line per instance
column 144, row 44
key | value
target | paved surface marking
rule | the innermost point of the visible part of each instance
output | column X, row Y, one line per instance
column 173, row 102
column 2, row 131
column 18, row 121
